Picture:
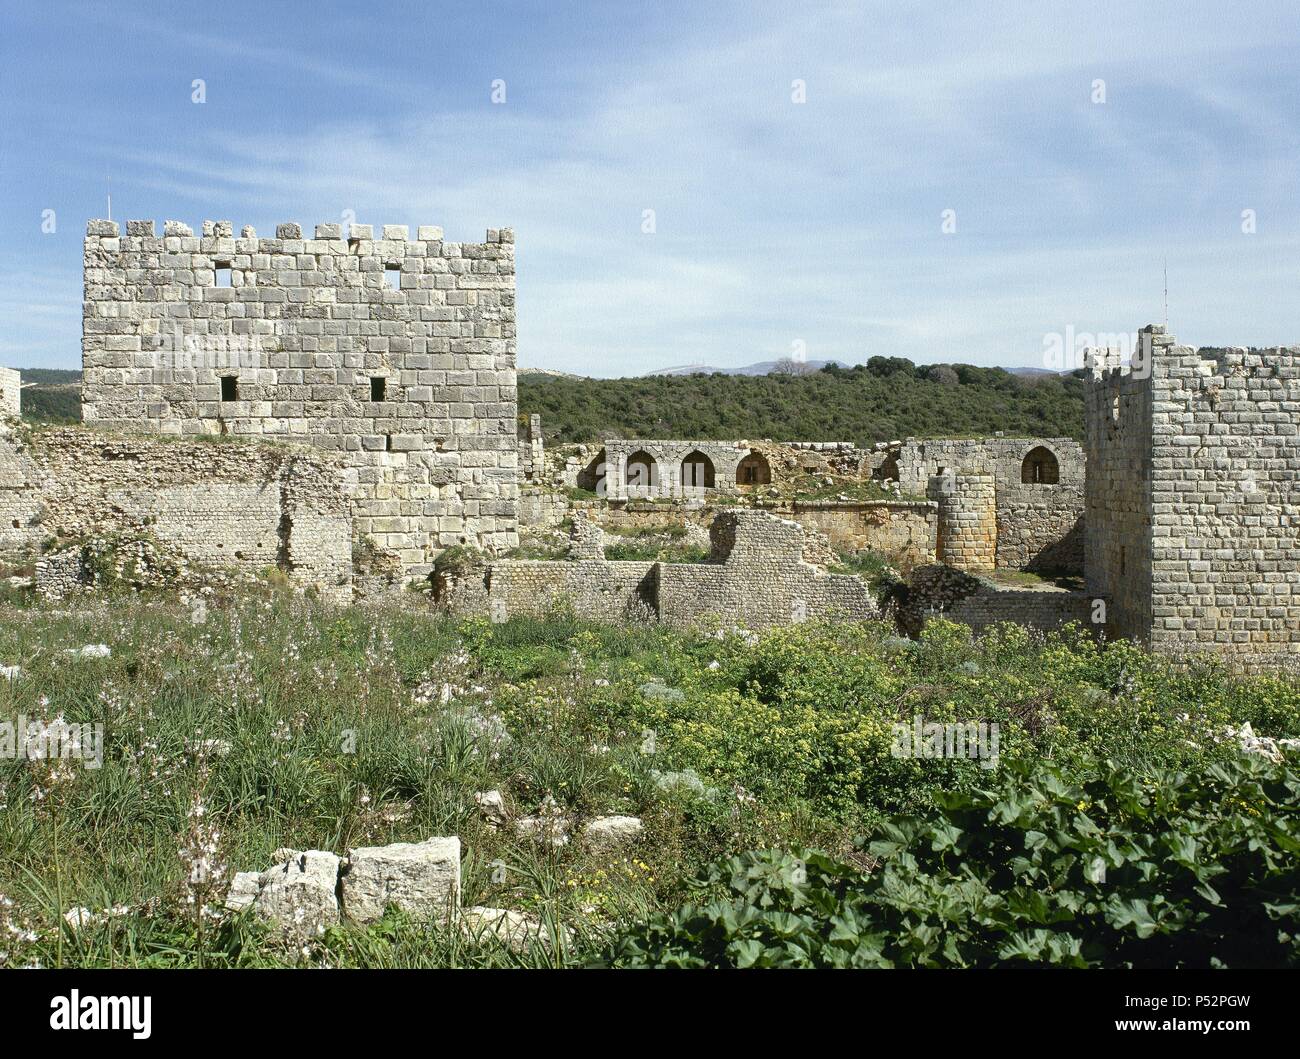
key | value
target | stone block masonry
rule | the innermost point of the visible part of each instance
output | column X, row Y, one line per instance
column 1194, row 498
column 11, row 394
column 942, row 592
column 397, row 354
column 1039, row 485
column 757, row 577
column 967, row 526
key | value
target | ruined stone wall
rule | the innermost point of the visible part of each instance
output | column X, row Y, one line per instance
column 232, row 504
column 20, row 508
column 758, row 577
column 1118, row 494
column 665, row 476
column 11, row 394
column 398, row 354
column 532, row 452
column 1041, row 528
column 596, row 589
column 967, row 535
column 1216, row 546
column 541, row 508
column 902, row 531
column 1039, row 523
column 940, row 591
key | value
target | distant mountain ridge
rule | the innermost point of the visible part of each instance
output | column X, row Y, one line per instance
column 762, row 367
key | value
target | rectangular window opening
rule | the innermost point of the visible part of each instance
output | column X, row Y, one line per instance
column 393, row 277
column 223, row 276
column 378, row 387
column 229, row 388
column 388, row 442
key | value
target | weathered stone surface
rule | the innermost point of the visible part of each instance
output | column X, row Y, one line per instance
column 493, row 807
column 550, row 825
column 612, row 832
column 240, row 507
column 244, row 888
column 296, row 348
column 758, row 576
column 518, row 931
column 422, row 878
column 300, row 894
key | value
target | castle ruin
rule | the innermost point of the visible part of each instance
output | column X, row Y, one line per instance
column 379, row 376
column 398, row 354
column 1193, row 497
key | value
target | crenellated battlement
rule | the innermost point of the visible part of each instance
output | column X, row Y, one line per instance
column 354, row 239
column 397, row 352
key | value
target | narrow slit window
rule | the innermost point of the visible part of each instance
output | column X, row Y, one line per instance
column 388, row 442
column 223, row 275
column 378, row 387
column 229, row 388
column 393, row 277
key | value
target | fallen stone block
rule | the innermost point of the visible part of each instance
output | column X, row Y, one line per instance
column 493, row 807
column 611, row 832
column 550, row 825
column 518, row 931
column 300, row 894
column 422, row 878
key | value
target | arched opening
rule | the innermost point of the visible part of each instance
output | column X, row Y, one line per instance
column 592, row 476
column 697, row 471
column 1040, row 468
column 754, row 470
column 641, row 471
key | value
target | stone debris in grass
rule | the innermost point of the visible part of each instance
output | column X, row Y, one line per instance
column 493, row 807
column 421, row 878
column 80, row 917
column 612, row 832
column 550, row 825
column 9, row 673
column 93, row 650
column 1260, row 745
column 518, row 931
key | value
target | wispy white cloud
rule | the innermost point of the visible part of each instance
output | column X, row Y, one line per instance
column 778, row 221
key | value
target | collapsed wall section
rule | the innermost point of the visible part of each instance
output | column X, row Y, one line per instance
column 396, row 353
column 757, row 578
column 244, row 506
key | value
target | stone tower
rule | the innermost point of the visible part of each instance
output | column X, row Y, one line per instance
column 1193, row 496
column 967, row 536
column 396, row 353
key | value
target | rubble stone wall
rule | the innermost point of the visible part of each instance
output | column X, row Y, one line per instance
column 215, row 503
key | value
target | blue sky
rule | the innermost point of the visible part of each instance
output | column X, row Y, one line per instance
column 776, row 222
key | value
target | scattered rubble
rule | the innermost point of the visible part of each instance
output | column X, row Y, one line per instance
column 493, row 807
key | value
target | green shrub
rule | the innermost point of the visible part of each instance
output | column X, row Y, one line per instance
column 1164, row 869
